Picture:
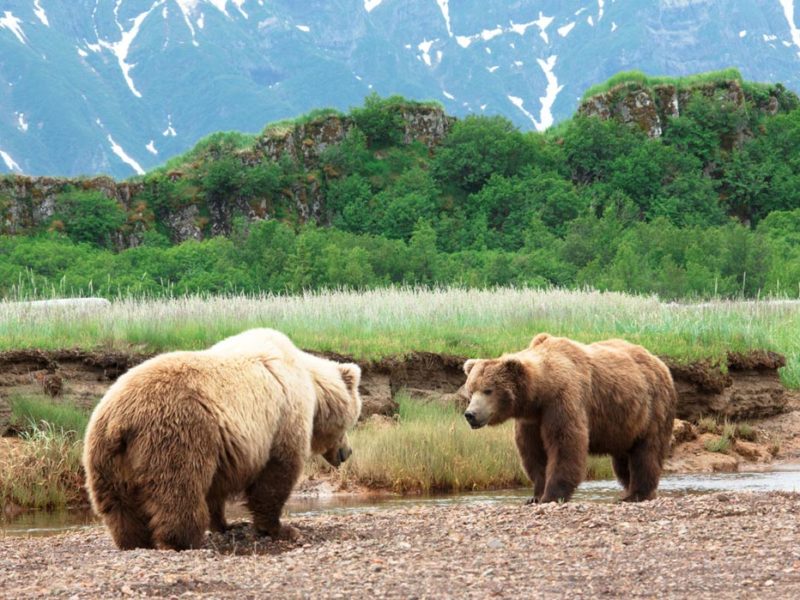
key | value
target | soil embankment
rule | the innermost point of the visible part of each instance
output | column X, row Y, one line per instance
column 746, row 387
column 711, row 546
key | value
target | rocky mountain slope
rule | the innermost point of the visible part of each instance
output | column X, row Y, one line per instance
column 91, row 87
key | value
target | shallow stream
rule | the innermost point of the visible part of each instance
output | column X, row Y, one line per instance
column 784, row 478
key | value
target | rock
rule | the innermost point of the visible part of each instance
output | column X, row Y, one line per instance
column 752, row 452
column 650, row 107
column 692, row 457
column 682, row 431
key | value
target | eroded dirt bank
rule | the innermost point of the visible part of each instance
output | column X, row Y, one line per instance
column 747, row 386
column 710, row 546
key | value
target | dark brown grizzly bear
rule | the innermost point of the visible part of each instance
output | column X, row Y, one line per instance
column 570, row 399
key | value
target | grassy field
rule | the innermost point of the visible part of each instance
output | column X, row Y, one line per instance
column 432, row 449
column 388, row 322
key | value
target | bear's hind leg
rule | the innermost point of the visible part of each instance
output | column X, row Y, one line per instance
column 621, row 465
column 215, row 499
column 532, row 454
column 129, row 529
column 179, row 518
column 645, row 470
column 269, row 492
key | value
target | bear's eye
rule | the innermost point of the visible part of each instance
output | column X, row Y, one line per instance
column 487, row 392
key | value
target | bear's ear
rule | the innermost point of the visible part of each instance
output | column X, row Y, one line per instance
column 538, row 339
column 469, row 364
column 513, row 367
column 351, row 375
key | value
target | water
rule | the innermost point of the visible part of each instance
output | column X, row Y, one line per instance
column 785, row 478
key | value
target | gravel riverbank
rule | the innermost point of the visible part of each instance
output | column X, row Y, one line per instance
column 719, row 545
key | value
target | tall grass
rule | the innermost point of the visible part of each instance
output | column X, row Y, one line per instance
column 29, row 412
column 43, row 470
column 395, row 321
column 432, row 449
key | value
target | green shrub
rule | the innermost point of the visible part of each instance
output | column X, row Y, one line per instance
column 87, row 216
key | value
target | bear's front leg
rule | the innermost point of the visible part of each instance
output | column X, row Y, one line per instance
column 530, row 446
column 268, row 494
column 566, row 441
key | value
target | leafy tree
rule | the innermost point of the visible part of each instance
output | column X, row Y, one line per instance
column 380, row 120
column 87, row 216
column 478, row 147
column 591, row 145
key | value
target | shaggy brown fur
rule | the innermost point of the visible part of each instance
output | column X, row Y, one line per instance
column 177, row 435
column 571, row 399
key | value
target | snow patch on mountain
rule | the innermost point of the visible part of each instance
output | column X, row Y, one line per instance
column 520, row 104
column 239, row 4
column 545, row 119
column 22, row 124
column 151, row 147
column 170, row 130
column 551, row 92
column 123, row 156
column 303, row 28
column 81, row 52
column 370, row 5
column 10, row 162
column 788, row 12
column 564, row 31
column 543, row 23
column 444, row 6
column 493, row 68
column 187, row 8
column 447, row 94
column 743, row 33
column 122, row 47
column 600, row 4
column 40, row 14
column 425, row 47
column 613, row 26
column 12, row 23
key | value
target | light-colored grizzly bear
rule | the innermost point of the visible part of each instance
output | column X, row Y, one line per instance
column 570, row 399
column 181, row 432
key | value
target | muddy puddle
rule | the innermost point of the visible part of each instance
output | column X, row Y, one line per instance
column 784, row 478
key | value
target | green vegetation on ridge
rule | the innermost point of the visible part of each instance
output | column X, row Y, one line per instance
column 711, row 208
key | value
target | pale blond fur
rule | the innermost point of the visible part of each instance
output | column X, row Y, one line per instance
column 178, row 434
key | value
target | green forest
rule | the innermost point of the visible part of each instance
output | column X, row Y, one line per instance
column 709, row 208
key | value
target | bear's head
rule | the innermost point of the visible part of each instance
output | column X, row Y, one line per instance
column 338, row 409
column 494, row 388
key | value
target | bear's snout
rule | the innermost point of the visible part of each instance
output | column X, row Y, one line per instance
column 472, row 419
column 344, row 454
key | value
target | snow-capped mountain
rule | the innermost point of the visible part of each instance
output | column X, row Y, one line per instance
column 119, row 86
